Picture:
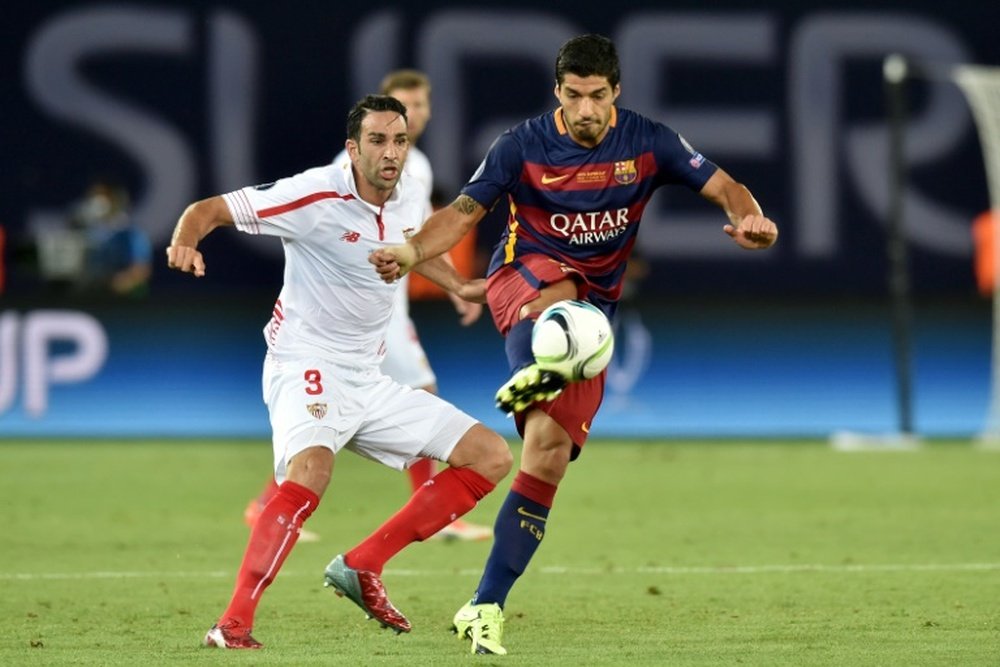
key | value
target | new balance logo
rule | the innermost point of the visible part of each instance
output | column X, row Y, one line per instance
column 547, row 179
column 351, row 237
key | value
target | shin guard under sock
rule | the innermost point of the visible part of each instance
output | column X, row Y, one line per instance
column 518, row 531
column 271, row 539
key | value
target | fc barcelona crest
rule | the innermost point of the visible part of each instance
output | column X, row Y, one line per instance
column 317, row 410
column 625, row 172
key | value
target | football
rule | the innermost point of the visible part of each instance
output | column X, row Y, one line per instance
column 573, row 339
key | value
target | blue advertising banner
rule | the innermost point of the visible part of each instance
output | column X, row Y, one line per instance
column 688, row 369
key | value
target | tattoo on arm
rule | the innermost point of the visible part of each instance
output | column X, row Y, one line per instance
column 465, row 204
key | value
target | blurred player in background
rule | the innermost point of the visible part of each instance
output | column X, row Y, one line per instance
column 405, row 360
column 578, row 180
column 322, row 382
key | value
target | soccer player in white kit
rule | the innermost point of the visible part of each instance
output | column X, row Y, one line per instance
column 322, row 383
column 405, row 360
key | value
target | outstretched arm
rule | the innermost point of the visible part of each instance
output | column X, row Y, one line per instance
column 468, row 311
column 195, row 223
column 748, row 226
column 440, row 233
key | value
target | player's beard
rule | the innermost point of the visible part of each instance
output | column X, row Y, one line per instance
column 590, row 131
column 387, row 183
column 373, row 174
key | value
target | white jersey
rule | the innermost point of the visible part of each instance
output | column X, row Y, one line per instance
column 405, row 360
column 333, row 305
column 417, row 172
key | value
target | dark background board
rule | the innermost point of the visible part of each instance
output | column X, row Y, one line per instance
column 181, row 100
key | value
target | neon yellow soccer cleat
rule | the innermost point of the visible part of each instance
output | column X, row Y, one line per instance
column 529, row 385
column 462, row 623
column 482, row 624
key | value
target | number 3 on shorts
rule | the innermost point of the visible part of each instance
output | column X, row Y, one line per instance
column 314, row 378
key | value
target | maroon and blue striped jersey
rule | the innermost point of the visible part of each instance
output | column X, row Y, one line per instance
column 582, row 206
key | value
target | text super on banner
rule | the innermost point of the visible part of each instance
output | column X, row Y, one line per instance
column 180, row 100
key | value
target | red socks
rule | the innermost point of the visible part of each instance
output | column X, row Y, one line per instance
column 436, row 503
column 272, row 538
column 450, row 494
column 420, row 472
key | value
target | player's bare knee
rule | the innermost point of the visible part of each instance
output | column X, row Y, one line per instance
column 312, row 468
column 485, row 451
column 495, row 459
column 501, row 460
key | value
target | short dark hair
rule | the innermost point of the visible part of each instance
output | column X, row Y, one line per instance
column 367, row 104
column 588, row 55
column 404, row 79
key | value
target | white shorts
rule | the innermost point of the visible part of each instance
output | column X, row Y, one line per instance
column 313, row 402
column 405, row 360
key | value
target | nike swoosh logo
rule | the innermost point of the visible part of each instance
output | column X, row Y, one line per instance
column 546, row 179
column 585, row 427
column 524, row 512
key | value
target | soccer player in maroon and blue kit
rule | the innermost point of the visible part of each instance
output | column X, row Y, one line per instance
column 577, row 181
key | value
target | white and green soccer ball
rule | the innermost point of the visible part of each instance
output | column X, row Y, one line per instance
column 574, row 339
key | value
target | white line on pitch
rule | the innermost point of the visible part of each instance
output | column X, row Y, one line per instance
column 551, row 570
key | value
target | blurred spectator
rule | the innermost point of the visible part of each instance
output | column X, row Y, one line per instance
column 99, row 249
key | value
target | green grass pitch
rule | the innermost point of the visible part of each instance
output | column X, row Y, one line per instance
column 679, row 553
